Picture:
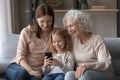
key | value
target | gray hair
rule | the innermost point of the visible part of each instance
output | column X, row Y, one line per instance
column 79, row 17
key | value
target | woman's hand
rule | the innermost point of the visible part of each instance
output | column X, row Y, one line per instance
column 80, row 70
column 25, row 65
column 48, row 61
column 35, row 73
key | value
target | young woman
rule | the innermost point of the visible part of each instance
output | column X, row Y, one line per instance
column 63, row 59
column 32, row 47
column 92, row 57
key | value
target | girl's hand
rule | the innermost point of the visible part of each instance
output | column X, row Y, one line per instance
column 80, row 70
column 47, row 61
column 57, row 63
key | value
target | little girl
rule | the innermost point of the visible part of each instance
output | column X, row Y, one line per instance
column 60, row 44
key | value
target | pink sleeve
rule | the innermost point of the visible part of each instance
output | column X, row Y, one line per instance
column 22, row 46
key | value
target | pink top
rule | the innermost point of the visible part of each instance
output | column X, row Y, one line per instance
column 31, row 48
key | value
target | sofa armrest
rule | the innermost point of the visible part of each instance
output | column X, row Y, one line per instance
column 113, row 45
column 3, row 67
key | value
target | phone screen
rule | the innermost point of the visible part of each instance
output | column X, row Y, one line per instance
column 48, row 54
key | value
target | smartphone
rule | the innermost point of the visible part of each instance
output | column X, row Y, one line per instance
column 48, row 54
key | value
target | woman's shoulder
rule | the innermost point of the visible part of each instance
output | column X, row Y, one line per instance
column 97, row 36
column 28, row 30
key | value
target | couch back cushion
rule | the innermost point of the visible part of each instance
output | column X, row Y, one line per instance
column 8, row 50
column 113, row 45
column 9, row 47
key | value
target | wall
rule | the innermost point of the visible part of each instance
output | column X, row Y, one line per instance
column 15, row 16
column 20, row 14
column 105, row 23
column 24, row 15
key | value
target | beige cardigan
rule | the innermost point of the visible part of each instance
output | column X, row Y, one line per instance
column 94, row 54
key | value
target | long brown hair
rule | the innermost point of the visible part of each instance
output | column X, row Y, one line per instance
column 64, row 34
column 41, row 10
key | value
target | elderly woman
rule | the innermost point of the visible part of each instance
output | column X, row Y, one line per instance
column 93, row 60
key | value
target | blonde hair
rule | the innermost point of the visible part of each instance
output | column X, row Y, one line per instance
column 64, row 34
column 79, row 17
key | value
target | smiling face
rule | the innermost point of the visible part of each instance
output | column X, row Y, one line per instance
column 45, row 22
column 73, row 28
column 58, row 42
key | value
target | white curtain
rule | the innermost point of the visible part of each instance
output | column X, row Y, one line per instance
column 5, row 19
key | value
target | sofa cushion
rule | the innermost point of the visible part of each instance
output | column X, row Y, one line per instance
column 117, row 78
column 113, row 45
column 8, row 50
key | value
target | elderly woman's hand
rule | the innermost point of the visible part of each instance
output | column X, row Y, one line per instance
column 80, row 70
